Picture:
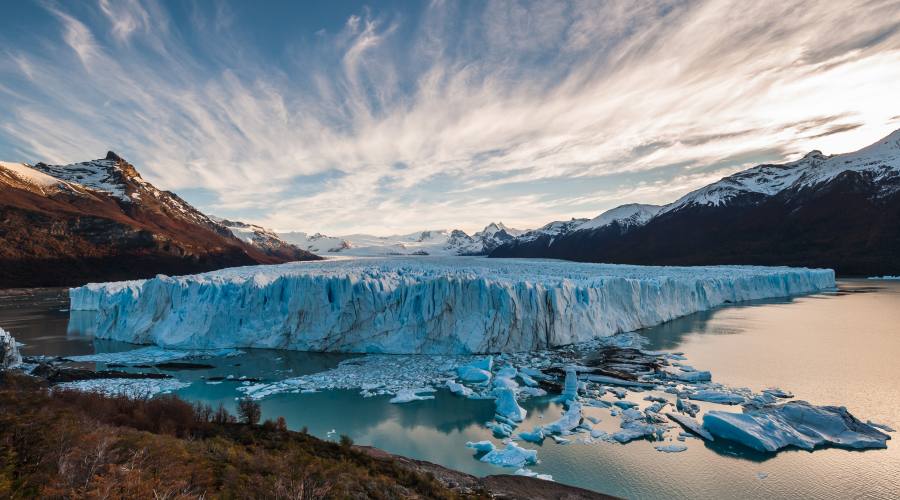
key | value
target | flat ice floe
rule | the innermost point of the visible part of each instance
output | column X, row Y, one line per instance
column 796, row 423
column 151, row 355
column 132, row 388
column 422, row 305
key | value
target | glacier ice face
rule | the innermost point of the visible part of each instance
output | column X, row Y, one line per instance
column 796, row 423
column 426, row 305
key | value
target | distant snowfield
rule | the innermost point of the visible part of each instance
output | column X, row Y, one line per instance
column 428, row 305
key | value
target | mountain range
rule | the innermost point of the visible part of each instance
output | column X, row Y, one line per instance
column 99, row 221
column 839, row 211
column 443, row 242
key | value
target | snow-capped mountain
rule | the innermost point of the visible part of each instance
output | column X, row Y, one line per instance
column 428, row 242
column 266, row 240
column 626, row 216
column 877, row 163
column 840, row 211
column 549, row 231
column 99, row 220
column 316, row 243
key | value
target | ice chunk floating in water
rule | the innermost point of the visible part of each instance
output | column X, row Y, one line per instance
column 132, row 388
column 424, row 305
column 511, row 456
column 796, row 423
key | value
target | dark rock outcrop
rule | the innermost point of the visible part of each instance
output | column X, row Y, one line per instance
column 64, row 225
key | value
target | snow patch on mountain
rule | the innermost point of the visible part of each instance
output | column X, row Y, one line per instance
column 426, row 305
column 630, row 215
column 552, row 229
column 316, row 243
column 27, row 174
column 880, row 161
column 434, row 242
column 99, row 175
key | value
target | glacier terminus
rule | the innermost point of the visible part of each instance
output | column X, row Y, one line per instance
column 430, row 305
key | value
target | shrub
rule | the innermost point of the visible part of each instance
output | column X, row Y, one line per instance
column 249, row 411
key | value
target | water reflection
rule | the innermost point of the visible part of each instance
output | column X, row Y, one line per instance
column 830, row 348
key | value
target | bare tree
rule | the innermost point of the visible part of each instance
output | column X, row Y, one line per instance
column 249, row 411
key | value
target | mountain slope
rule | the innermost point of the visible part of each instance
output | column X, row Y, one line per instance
column 98, row 221
column 840, row 211
column 428, row 242
column 264, row 239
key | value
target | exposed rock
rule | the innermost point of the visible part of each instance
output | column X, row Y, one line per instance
column 100, row 221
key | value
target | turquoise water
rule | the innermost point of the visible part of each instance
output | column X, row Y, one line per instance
column 837, row 348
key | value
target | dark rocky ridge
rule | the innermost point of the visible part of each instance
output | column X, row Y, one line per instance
column 840, row 212
column 843, row 224
column 103, row 222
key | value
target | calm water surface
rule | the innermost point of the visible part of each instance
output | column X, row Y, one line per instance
column 839, row 348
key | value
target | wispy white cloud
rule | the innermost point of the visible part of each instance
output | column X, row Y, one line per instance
column 456, row 115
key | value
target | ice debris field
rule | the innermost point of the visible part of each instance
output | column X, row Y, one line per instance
column 550, row 325
column 612, row 391
column 422, row 305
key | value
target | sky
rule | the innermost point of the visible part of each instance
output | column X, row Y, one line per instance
column 389, row 117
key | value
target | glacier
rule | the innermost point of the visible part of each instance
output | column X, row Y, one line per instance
column 428, row 305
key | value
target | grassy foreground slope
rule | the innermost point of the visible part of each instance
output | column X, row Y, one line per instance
column 64, row 444
column 76, row 445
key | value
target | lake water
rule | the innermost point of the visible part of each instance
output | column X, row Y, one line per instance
column 835, row 348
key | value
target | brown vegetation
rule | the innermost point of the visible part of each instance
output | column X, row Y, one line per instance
column 64, row 444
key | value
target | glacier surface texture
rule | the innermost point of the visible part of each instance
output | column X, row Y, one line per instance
column 420, row 305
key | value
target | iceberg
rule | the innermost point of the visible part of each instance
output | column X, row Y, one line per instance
column 426, row 305
column 569, row 421
column 635, row 429
column 691, row 425
column 570, row 385
column 531, row 473
column 718, row 396
column 535, row 436
column 9, row 351
column 511, row 456
column 507, row 407
column 480, row 446
column 410, row 395
column 459, row 389
column 796, row 423
column 472, row 374
column 671, row 448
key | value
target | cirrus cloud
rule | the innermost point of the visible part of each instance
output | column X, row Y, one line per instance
column 451, row 114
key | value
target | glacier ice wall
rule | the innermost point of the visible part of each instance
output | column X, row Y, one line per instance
column 420, row 305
